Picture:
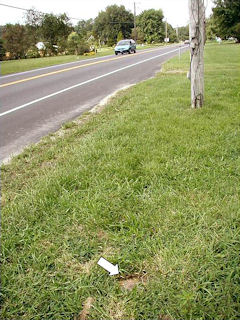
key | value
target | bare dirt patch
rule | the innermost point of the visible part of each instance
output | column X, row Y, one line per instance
column 102, row 235
column 175, row 71
column 116, row 310
column 165, row 317
column 87, row 266
column 129, row 282
column 48, row 164
column 83, row 315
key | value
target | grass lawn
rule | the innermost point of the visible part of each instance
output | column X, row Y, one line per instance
column 150, row 185
column 14, row 66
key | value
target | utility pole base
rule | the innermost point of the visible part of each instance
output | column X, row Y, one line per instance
column 198, row 102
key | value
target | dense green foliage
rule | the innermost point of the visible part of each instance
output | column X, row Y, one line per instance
column 84, row 28
column 77, row 44
column 151, row 27
column 58, row 35
column 15, row 40
column 33, row 22
column 2, row 49
column 211, row 28
column 226, row 16
column 171, row 33
column 115, row 22
column 150, row 23
column 109, row 26
column 150, row 184
column 110, row 22
column 183, row 33
column 55, row 30
column 20, row 40
column 120, row 36
column 139, row 35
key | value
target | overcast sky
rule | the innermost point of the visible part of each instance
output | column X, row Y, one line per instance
column 175, row 11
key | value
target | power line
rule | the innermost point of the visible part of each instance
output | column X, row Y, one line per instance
column 24, row 9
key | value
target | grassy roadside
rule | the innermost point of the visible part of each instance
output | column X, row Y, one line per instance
column 14, row 66
column 149, row 184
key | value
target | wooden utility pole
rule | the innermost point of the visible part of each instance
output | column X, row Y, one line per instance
column 197, row 41
column 135, row 31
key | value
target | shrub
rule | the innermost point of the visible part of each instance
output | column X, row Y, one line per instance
column 120, row 36
column 2, row 50
column 83, row 48
column 33, row 53
column 91, row 53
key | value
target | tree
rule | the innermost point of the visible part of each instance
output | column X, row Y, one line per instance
column 172, row 35
column 120, row 36
column 211, row 28
column 77, row 45
column 150, row 23
column 15, row 40
column 110, row 22
column 139, row 35
column 73, row 41
column 84, row 28
column 183, row 33
column 55, row 31
column 226, row 15
column 33, row 21
column 2, row 50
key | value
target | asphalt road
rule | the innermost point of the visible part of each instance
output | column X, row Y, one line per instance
column 37, row 102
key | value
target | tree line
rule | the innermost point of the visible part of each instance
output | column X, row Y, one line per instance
column 225, row 20
column 56, row 34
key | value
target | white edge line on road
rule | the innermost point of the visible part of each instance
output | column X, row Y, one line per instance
column 83, row 83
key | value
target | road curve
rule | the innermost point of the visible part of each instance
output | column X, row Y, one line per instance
column 37, row 102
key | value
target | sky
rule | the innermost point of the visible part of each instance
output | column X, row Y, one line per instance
column 175, row 11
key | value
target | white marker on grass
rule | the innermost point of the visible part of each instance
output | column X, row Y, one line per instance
column 113, row 270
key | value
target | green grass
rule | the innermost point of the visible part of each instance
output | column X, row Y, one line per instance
column 150, row 184
column 14, row 66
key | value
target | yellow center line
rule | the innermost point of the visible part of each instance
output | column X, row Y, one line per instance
column 68, row 69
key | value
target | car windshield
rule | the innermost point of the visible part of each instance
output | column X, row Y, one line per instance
column 123, row 43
